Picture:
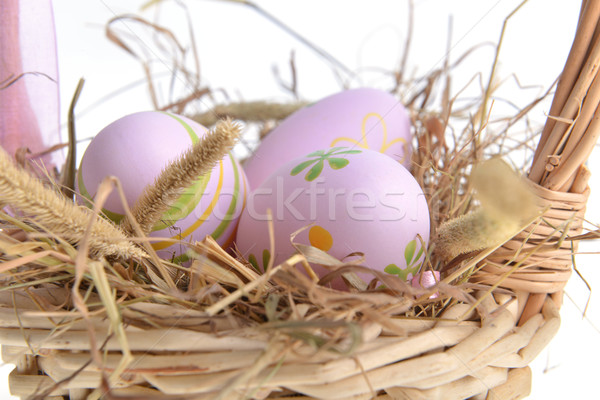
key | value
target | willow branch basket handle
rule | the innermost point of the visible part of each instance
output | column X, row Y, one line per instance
column 558, row 176
column 170, row 349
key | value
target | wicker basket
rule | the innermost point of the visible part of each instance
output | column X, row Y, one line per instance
column 182, row 352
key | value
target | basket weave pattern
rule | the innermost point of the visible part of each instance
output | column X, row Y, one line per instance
column 432, row 360
column 549, row 270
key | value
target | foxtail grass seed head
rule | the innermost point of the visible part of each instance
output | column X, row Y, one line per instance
column 181, row 173
column 251, row 111
column 506, row 204
column 57, row 214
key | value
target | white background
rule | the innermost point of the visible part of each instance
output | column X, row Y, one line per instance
column 238, row 49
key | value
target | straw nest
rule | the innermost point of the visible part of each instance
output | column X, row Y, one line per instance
column 87, row 309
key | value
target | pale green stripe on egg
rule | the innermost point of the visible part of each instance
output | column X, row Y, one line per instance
column 185, row 125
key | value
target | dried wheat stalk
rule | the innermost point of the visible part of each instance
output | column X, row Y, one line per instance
column 254, row 111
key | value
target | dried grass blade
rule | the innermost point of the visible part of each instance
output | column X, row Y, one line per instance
column 490, row 85
column 244, row 290
column 249, row 287
column 106, row 295
column 30, row 258
column 214, row 250
column 68, row 175
column 166, row 282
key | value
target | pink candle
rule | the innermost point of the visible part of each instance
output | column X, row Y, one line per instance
column 29, row 103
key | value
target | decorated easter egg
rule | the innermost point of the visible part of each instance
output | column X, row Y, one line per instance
column 135, row 149
column 363, row 118
column 349, row 200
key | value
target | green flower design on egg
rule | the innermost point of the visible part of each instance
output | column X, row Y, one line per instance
column 318, row 159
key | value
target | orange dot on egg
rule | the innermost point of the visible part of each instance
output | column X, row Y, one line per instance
column 320, row 238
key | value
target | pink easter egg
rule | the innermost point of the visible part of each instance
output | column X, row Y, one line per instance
column 349, row 200
column 425, row 280
column 359, row 118
column 135, row 149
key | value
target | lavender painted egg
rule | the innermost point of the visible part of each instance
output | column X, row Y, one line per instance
column 135, row 149
column 356, row 200
column 361, row 118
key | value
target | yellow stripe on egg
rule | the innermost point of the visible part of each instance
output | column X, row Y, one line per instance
column 229, row 216
column 164, row 244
